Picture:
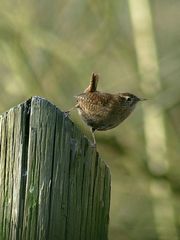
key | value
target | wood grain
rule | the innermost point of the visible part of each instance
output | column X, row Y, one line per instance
column 53, row 184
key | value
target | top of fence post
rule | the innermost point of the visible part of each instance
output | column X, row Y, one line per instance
column 53, row 184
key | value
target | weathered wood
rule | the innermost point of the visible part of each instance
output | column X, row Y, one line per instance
column 53, row 185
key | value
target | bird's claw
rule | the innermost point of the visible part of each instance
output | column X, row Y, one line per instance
column 66, row 114
column 93, row 145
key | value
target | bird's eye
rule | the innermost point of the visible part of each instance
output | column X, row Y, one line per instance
column 128, row 99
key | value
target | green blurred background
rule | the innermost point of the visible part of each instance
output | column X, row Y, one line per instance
column 50, row 48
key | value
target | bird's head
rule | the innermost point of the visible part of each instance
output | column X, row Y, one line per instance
column 129, row 99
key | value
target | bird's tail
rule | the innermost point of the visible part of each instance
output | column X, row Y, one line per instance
column 93, row 83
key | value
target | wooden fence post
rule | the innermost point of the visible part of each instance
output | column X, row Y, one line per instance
column 53, row 185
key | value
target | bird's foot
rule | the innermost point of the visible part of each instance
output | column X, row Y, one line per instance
column 93, row 145
column 66, row 114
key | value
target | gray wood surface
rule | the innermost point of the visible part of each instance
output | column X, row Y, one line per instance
column 53, row 184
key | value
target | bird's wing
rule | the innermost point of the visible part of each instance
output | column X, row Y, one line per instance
column 95, row 102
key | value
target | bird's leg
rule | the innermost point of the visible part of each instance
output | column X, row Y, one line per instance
column 94, row 139
column 66, row 113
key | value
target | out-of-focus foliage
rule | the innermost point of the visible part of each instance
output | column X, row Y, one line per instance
column 50, row 48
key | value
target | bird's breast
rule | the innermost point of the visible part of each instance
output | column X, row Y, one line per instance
column 100, row 111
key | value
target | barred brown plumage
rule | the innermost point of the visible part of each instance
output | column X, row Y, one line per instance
column 104, row 111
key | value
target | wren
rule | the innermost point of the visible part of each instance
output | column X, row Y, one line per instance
column 103, row 111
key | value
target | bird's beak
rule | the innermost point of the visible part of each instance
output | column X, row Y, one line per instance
column 143, row 99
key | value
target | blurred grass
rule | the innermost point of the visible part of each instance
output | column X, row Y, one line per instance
column 50, row 48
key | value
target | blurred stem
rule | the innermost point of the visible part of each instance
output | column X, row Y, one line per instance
column 154, row 125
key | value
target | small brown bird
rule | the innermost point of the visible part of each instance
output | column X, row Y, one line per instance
column 103, row 111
